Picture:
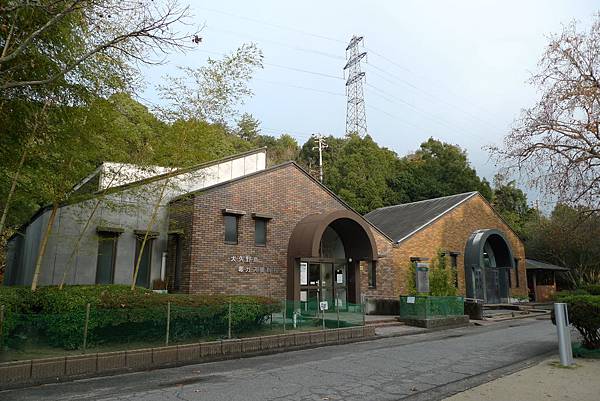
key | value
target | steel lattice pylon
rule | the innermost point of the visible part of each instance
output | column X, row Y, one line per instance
column 356, row 117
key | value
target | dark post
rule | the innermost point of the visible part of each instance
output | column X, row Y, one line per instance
column 337, row 311
column 1, row 325
column 168, row 323
column 229, row 322
column 85, row 327
column 284, row 314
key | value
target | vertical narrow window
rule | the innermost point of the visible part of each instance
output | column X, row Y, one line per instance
column 107, row 255
column 372, row 274
column 143, row 276
column 260, row 232
column 454, row 267
column 231, row 229
column 177, row 271
column 517, row 283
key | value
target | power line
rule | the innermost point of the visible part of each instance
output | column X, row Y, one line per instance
column 266, row 23
column 297, row 48
column 300, row 87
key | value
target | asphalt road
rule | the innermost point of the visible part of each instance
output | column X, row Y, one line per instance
column 425, row 366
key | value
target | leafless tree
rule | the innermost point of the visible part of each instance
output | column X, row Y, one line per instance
column 556, row 143
column 101, row 33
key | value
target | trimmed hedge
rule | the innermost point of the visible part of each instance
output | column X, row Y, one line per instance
column 118, row 314
column 584, row 314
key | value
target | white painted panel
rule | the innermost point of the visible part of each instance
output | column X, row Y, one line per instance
column 224, row 171
column 250, row 164
column 261, row 161
column 237, row 168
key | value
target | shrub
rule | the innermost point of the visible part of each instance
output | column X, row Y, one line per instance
column 593, row 289
column 16, row 301
column 584, row 314
column 118, row 314
column 441, row 277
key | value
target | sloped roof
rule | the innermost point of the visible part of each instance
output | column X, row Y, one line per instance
column 531, row 264
column 401, row 221
column 269, row 170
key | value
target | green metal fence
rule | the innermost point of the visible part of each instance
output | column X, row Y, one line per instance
column 30, row 336
column 422, row 307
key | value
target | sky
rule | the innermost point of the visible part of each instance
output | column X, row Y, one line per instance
column 453, row 70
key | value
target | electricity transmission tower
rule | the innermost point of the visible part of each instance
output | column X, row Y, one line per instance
column 356, row 118
column 320, row 140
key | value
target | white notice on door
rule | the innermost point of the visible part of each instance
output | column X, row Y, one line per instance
column 323, row 305
column 303, row 273
column 410, row 300
column 339, row 278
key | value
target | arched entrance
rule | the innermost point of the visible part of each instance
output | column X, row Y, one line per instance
column 324, row 255
column 488, row 262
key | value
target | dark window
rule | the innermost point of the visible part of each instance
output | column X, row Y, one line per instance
column 509, row 273
column 231, row 229
column 107, row 254
column 260, row 232
column 545, row 277
column 143, row 276
column 372, row 274
column 517, row 273
column 454, row 266
column 178, row 256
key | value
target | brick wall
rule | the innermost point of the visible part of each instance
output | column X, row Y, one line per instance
column 449, row 233
column 284, row 193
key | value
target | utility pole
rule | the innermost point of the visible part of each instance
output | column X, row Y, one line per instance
column 320, row 146
column 356, row 117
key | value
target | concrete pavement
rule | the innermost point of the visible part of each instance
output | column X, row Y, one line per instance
column 544, row 381
column 424, row 366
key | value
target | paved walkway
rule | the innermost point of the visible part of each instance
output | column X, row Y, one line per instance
column 423, row 366
column 544, row 381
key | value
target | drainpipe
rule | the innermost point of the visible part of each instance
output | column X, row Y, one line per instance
column 163, row 266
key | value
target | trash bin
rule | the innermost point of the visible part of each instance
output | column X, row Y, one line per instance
column 474, row 308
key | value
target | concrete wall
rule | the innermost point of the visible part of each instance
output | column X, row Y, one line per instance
column 130, row 209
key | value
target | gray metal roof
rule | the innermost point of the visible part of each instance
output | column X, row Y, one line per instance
column 401, row 221
column 531, row 264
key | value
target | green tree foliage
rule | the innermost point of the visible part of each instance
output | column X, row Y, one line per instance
column 279, row 150
column 441, row 279
column 437, row 169
column 359, row 173
column 570, row 238
column 511, row 203
column 212, row 92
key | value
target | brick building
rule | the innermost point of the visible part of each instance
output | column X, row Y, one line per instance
column 488, row 256
column 278, row 232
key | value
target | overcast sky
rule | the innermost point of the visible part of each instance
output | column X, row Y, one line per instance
column 454, row 70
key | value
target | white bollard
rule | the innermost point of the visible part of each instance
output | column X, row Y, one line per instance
column 561, row 316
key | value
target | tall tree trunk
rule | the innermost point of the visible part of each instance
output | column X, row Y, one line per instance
column 67, row 267
column 148, row 228
column 42, row 250
column 13, row 186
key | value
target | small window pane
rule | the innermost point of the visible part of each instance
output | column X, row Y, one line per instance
column 105, row 268
column 143, row 276
column 260, row 232
column 372, row 274
column 231, row 229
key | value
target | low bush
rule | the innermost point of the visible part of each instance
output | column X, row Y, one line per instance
column 118, row 314
column 584, row 315
column 593, row 289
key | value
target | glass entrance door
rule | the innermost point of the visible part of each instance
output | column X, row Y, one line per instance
column 327, row 281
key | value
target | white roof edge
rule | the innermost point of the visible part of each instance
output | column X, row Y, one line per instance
column 439, row 215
